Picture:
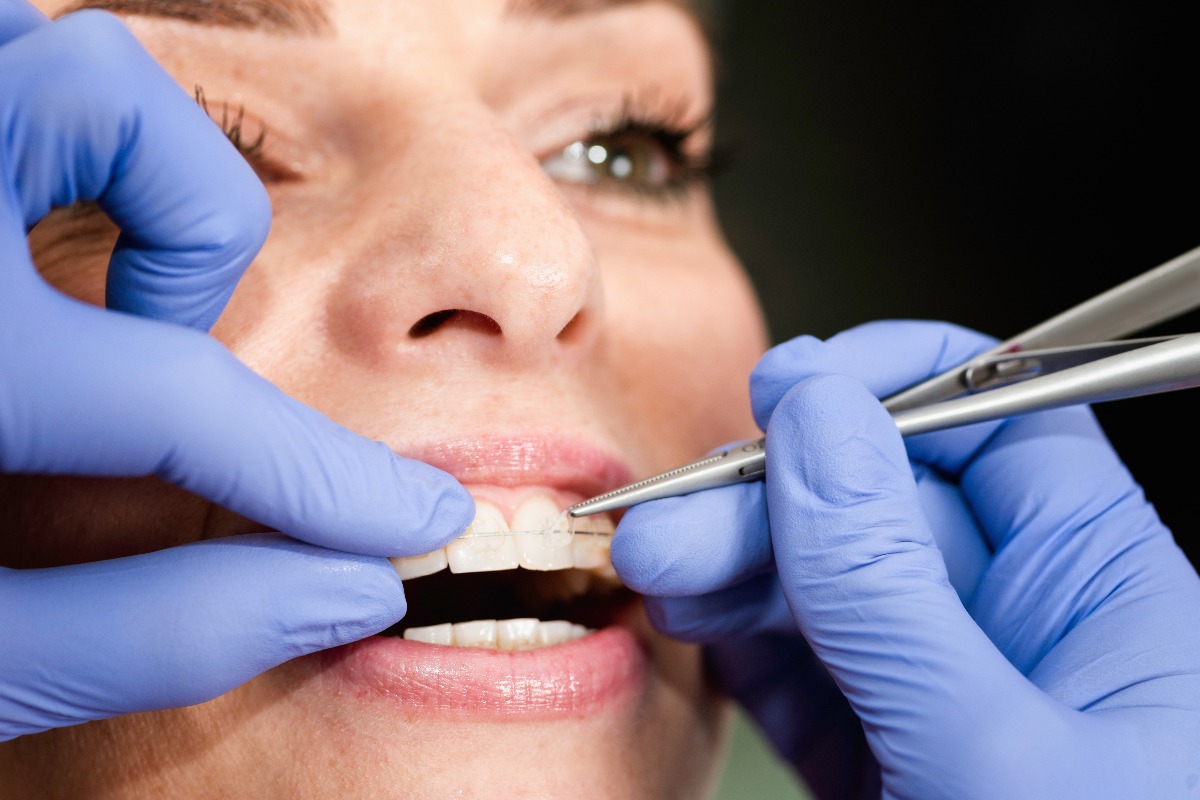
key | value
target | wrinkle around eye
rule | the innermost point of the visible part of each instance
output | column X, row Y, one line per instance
column 274, row 157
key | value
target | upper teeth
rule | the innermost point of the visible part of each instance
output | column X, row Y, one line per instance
column 533, row 541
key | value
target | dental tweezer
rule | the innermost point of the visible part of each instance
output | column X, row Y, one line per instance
column 1051, row 365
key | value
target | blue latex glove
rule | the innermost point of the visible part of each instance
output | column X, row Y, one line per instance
column 86, row 114
column 1006, row 616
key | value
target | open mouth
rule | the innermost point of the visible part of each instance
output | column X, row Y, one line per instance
column 519, row 583
column 517, row 619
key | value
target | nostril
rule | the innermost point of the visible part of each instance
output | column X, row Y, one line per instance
column 573, row 328
column 430, row 323
column 455, row 317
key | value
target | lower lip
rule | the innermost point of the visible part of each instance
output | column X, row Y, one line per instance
column 600, row 670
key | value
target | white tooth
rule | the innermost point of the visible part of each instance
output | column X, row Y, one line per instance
column 517, row 634
column 434, row 634
column 555, row 632
column 505, row 634
column 590, row 546
column 590, row 552
column 420, row 566
column 537, row 513
column 597, row 524
column 549, row 550
column 485, row 547
column 488, row 522
column 477, row 633
column 536, row 554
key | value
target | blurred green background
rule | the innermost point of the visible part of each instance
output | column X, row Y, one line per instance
column 752, row 771
column 986, row 164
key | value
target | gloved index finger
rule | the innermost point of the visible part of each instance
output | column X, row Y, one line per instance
column 1080, row 466
column 92, row 116
column 165, row 400
column 887, row 357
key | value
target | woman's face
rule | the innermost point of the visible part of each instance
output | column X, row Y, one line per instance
column 492, row 249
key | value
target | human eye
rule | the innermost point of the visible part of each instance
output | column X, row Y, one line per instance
column 644, row 151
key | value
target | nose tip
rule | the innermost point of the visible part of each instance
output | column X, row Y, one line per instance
column 516, row 301
column 488, row 259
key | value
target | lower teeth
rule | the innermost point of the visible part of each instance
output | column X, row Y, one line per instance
column 505, row 634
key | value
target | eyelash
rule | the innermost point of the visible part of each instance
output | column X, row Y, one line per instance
column 663, row 124
column 232, row 128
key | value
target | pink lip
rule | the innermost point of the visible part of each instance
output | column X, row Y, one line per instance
column 602, row 669
column 550, row 461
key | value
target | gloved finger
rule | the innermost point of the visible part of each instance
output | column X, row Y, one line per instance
column 704, row 542
column 694, row 544
column 714, row 610
column 129, row 396
column 90, row 115
column 964, row 547
column 869, row 591
column 752, row 607
column 176, row 627
column 1043, row 470
column 18, row 17
column 1036, row 491
column 887, row 357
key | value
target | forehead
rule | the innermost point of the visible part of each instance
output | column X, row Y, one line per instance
column 319, row 17
column 497, row 45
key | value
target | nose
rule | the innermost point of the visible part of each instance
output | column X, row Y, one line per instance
column 469, row 252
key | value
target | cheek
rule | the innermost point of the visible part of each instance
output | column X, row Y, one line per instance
column 50, row 522
column 686, row 332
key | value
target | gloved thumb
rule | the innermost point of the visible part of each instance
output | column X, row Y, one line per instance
column 178, row 626
column 865, row 581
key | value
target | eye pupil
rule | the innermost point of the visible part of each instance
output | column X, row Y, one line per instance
column 626, row 159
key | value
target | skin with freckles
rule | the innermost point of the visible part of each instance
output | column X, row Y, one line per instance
column 429, row 280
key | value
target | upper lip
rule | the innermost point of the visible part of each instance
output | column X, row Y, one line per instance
column 549, row 460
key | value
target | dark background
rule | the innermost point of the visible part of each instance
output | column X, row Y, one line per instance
column 986, row 164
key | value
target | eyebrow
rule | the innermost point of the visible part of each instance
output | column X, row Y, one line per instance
column 297, row 17
column 571, row 8
column 310, row 17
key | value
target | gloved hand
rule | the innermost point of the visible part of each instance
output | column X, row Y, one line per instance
column 1052, row 653
column 87, row 114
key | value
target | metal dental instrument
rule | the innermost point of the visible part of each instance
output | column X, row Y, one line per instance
column 1048, row 366
column 1155, row 296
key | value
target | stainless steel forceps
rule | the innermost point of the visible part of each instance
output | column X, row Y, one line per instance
column 1053, row 364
